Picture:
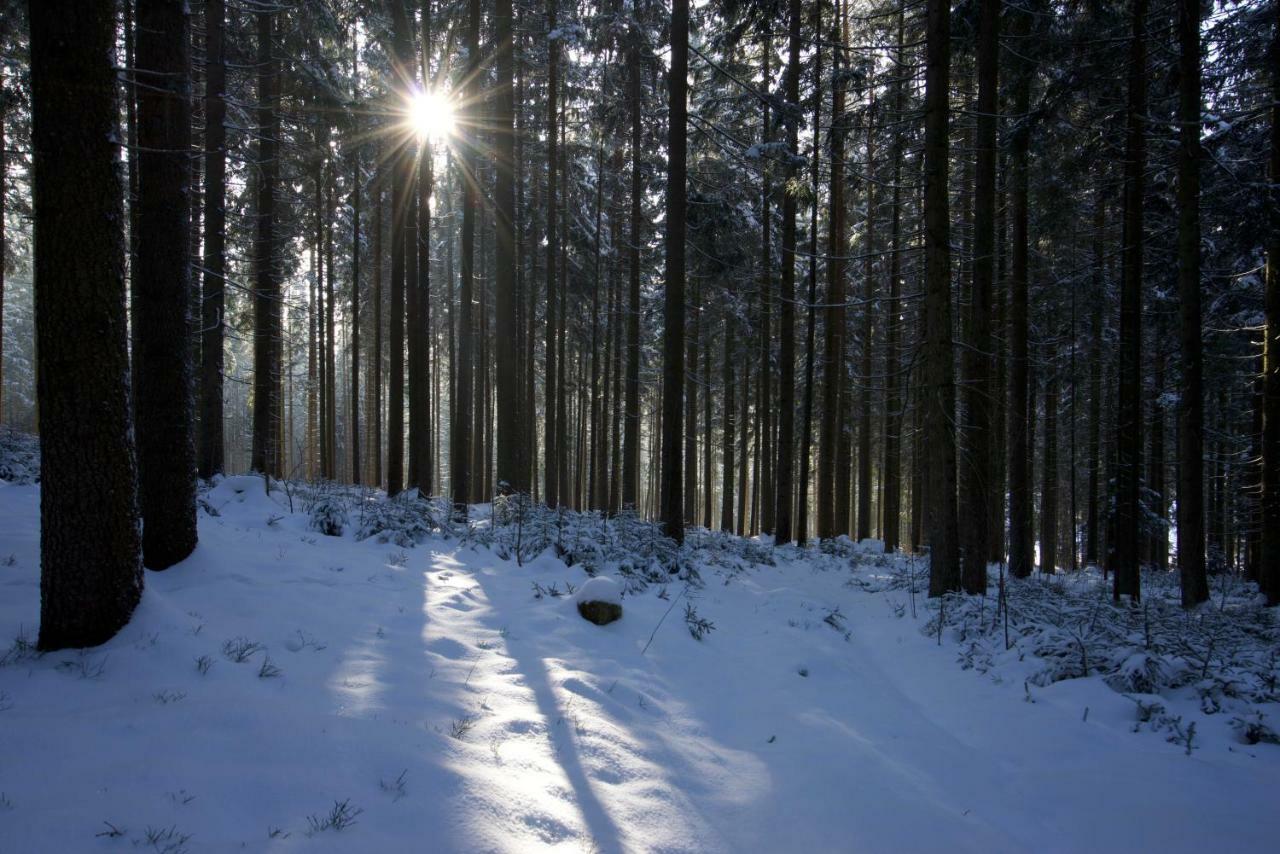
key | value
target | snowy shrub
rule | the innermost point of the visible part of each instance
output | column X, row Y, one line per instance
column 19, row 457
column 1251, row 727
column 340, row 817
column 698, row 626
column 329, row 516
column 405, row 520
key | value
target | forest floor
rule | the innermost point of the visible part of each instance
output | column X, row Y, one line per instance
column 282, row 690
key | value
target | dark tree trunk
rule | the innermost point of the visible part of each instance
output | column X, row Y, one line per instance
column 1128, row 504
column 631, row 427
column 893, row 402
column 460, row 450
column 673, row 308
column 164, row 398
column 977, row 481
column 213, row 298
column 728, row 433
column 1019, row 437
column 784, row 471
column 510, row 475
column 90, row 551
column 1270, row 570
column 763, row 503
column 551, row 410
column 1049, row 478
column 1191, row 566
column 938, row 395
column 1093, row 520
column 267, row 326
column 831, row 427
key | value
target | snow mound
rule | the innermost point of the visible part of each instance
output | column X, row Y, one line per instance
column 602, row 588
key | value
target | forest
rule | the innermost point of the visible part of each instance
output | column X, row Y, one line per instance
column 969, row 305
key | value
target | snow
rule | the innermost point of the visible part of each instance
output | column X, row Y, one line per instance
column 602, row 588
column 447, row 707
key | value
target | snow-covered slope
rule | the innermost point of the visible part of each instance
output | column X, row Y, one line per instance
column 431, row 699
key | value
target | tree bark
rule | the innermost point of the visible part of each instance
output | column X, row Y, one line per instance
column 90, row 549
column 213, row 297
column 1191, row 565
column 673, row 306
column 976, row 472
column 1128, row 505
column 267, row 325
column 939, row 369
column 164, row 398
column 784, row 471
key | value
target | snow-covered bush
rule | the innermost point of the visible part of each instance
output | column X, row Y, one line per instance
column 329, row 516
column 1221, row 657
column 405, row 520
column 19, row 457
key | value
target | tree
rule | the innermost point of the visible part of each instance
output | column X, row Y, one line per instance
column 1191, row 565
column 267, row 315
column 510, row 476
column 785, row 451
column 631, row 406
column 977, row 482
column 673, row 366
column 939, row 367
column 90, row 549
column 1128, row 504
column 1270, row 570
column 213, row 295
column 164, row 406
column 552, row 427
column 1019, row 438
column 460, row 449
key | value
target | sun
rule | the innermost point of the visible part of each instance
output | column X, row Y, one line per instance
column 431, row 115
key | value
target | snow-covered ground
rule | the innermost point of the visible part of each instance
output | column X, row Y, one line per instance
column 433, row 699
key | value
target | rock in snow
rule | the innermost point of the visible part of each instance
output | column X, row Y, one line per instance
column 600, row 600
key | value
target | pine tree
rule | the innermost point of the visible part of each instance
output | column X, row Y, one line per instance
column 90, row 548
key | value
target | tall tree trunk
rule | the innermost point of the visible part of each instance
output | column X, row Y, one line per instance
column 510, row 475
column 631, row 427
column 460, row 451
column 939, row 367
column 1019, row 438
column 1093, row 520
column 90, row 549
column 1049, row 478
column 376, row 356
column 691, row 409
column 1270, row 570
column 213, row 297
column 164, row 402
column 784, row 472
column 728, row 433
column 673, row 307
column 862, row 528
column 267, row 331
column 810, row 339
column 1128, row 503
column 764, row 493
column 353, row 430
column 1191, row 566
column 976, row 472
column 893, row 408
column 551, row 409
